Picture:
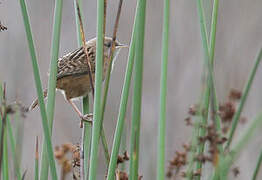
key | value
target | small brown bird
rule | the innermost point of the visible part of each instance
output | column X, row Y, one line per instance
column 72, row 72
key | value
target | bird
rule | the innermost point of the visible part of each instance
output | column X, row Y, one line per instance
column 73, row 78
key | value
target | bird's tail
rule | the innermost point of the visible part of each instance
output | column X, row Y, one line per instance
column 35, row 102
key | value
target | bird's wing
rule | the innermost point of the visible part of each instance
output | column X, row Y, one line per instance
column 74, row 63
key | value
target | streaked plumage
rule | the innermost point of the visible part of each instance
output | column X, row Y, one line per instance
column 72, row 70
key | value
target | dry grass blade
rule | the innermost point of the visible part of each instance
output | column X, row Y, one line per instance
column 106, row 86
column 84, row 46
column 115, row 29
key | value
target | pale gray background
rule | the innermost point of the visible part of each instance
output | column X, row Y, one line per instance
column 239, row 37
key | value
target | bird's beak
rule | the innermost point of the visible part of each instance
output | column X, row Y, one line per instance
column 122, row 46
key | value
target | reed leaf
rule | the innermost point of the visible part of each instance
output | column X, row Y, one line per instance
column 123, row 104
column 39, row 90
column 163, row 94
column 137, row 96
column 98, row 90
column 243, row 99
column 13, row 149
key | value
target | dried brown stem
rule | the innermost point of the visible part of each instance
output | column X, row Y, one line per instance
column 36, row 149
column 85, row 48
column 115, row 29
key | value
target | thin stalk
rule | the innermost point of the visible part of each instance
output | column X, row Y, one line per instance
column 243, row 99
column 228, row 160
column 213, row 31
column 4, row 116
column 53, row 62
column 254, row 177
column 39, row 90
column 108, row 76
column 247, row 136
column 13, row 149
column 98, row 90
column 107, row 81
column 207, row 59
column 52, row 81
column 87, row 137
column 36, row 160
column 78, row 30
column 12, row 141
column 137, row 96
column 5, row 158
column 259, row 161
column 87, row 129
column 208, row 92
column 208, row 88
column 123, row 104
column 2, row 124
column 163, row 92
column 194, row 141
column 81, row 42
column 105, row 146
column 123, row 148
column 18, row 136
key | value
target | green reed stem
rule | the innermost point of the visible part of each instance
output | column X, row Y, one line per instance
column 85, row 103
column 243, row 99
column 123, row 104
column 98, row 90
column 137, row 96
column 163, row 91
column 87, row 137
column 209, row 88
column 108, row 74
column 13, row 149
column 5, row 158
column 36, row 160
column 39, row 88
column 52, row 81
column 227, row 161
column 259, row 161
column 213, row 31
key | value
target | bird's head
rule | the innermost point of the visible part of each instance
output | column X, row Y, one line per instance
column 108, row 41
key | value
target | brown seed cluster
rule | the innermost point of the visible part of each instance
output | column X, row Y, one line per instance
column 227, row 110
column 214, row 140
column 188, row 121
column 235, row 94
column 195, row 174
column 123, row 158
column 212, row 137
column 68, row 164
column 14, row 107
column 193, row 109
column 121, row 175
column 178, row 162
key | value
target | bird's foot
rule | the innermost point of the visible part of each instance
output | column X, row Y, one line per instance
column 86, row 118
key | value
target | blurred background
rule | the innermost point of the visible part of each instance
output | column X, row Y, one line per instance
column 239, row 38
